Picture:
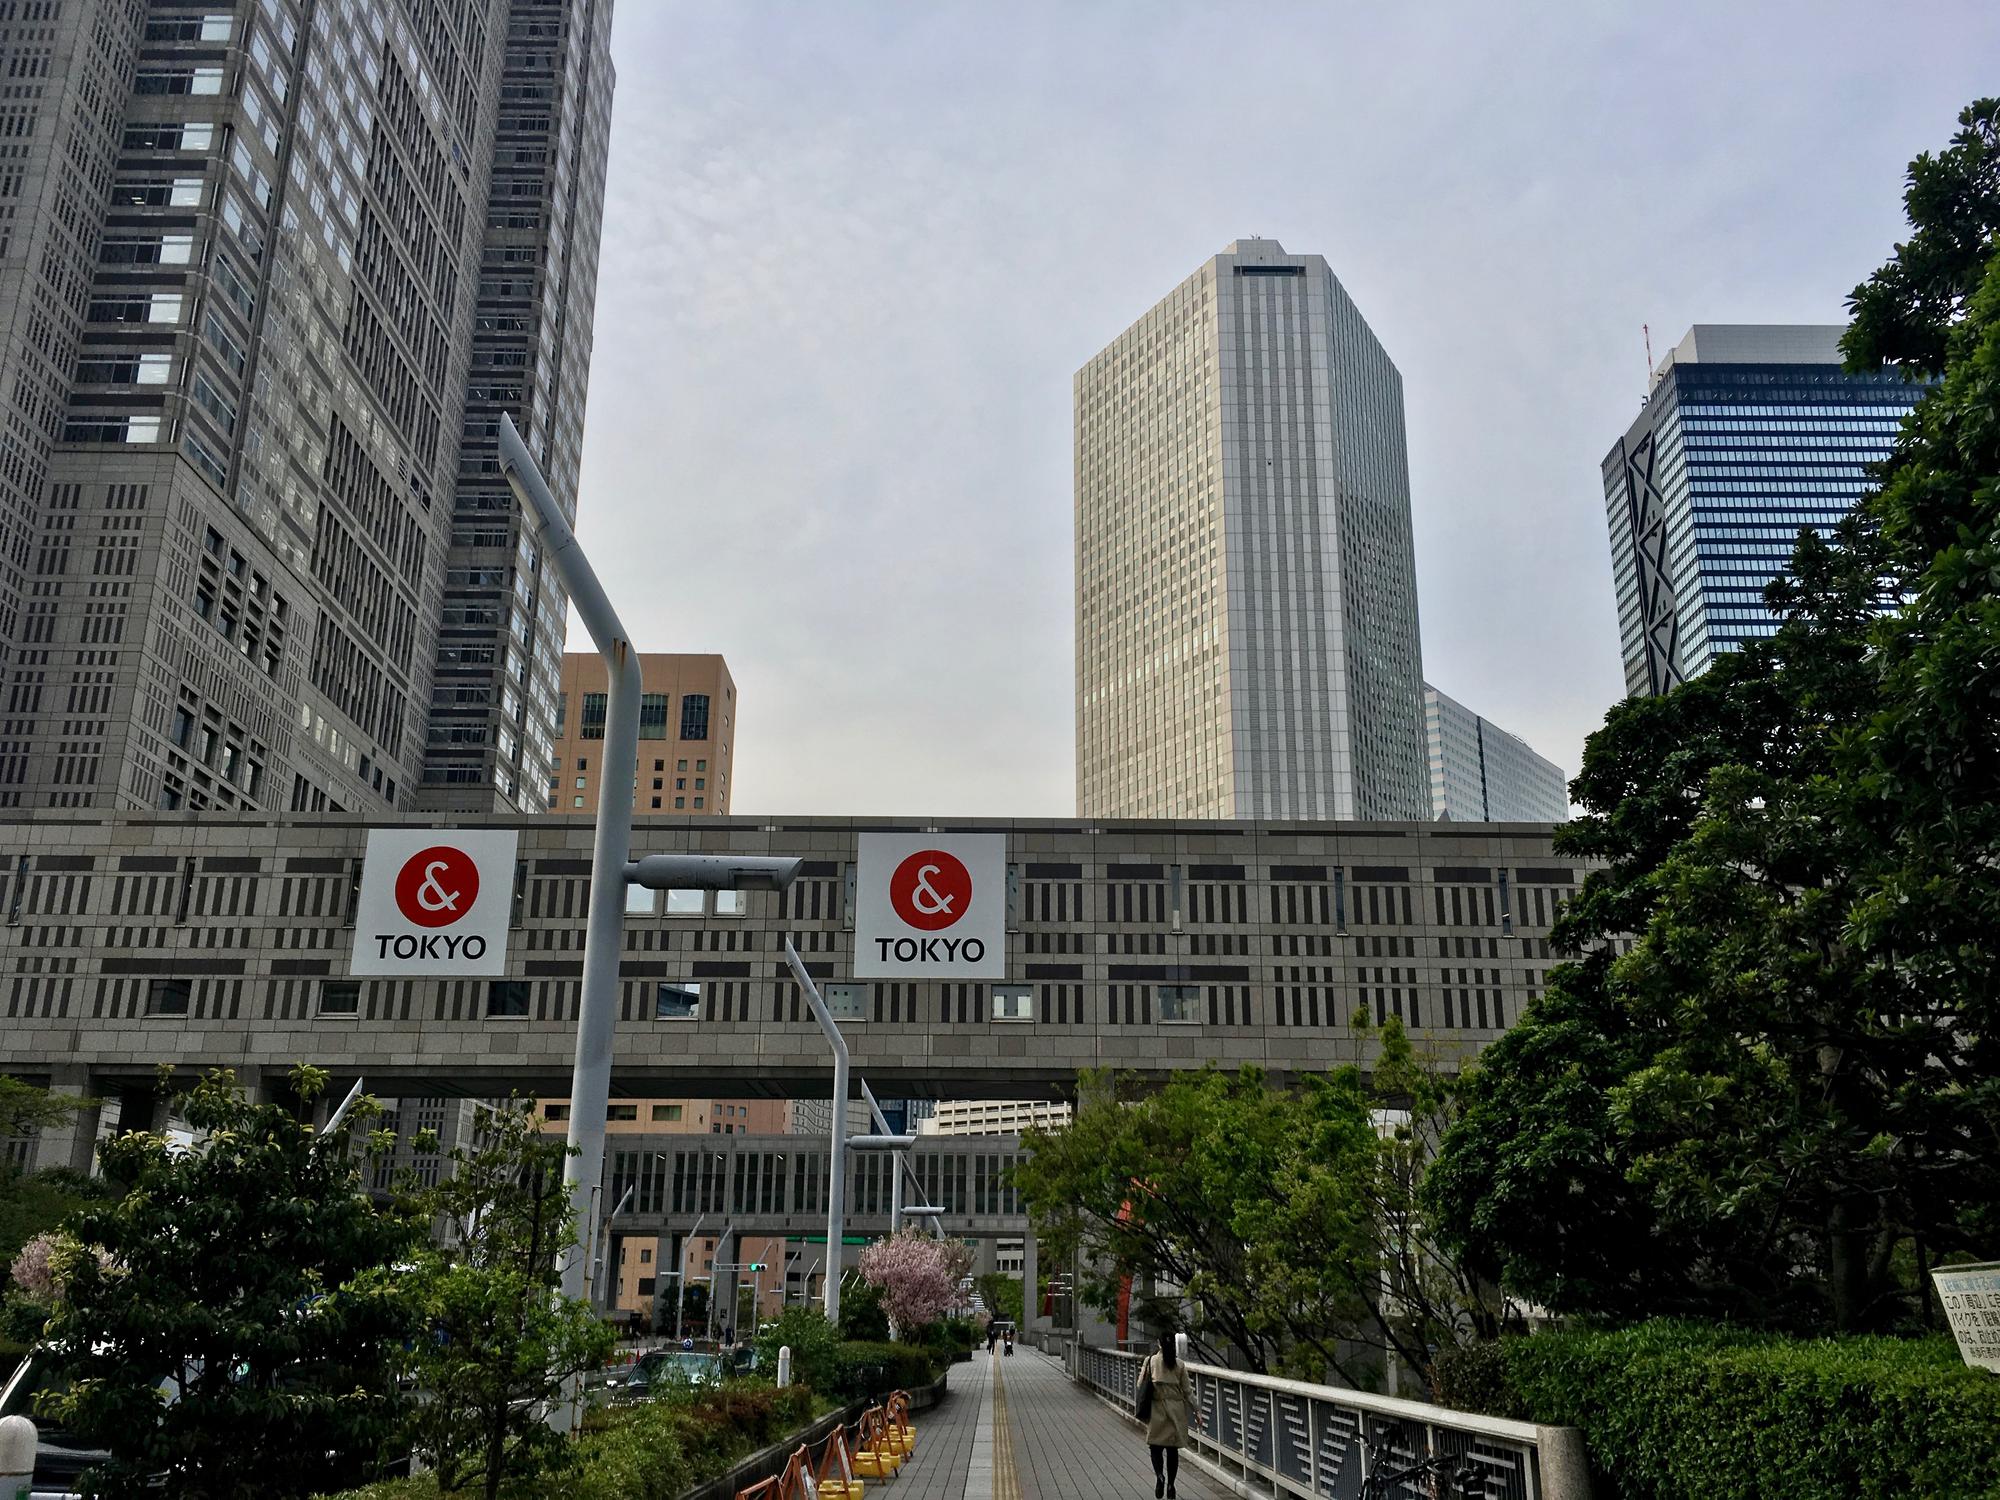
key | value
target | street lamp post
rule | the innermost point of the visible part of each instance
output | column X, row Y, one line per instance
column 610, row 865
column 597, row 1006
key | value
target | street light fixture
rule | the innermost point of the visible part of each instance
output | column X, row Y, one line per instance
column 611, row 868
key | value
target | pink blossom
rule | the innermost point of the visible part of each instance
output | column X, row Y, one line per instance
column 918, row 1275
column 33, row 1270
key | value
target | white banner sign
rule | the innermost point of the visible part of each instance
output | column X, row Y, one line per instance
column 1971, row 1298
column 930, row 906
column 435, row 901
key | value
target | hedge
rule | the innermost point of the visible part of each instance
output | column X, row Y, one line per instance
column 650, row 1450
column 870, row 1369
column 1673, row 1409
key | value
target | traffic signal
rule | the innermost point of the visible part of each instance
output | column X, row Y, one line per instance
column 758, row 1265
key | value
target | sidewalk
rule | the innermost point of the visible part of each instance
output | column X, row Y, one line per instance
column 1018, row 1429
column 1068, row 1445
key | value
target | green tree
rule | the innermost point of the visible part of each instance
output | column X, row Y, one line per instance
column 1788, row 1082
column 1002, row 1295
column 1341, row 1256
column 219, row 1322
column 1285, row 1226
column 497, row 1345
column 1151, row 1186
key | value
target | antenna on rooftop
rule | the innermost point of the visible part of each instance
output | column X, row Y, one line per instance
column 1646, row 330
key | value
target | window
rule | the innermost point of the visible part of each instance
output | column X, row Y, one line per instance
column 656, row 786
column 340, row 997
column 666, row 1112
column 732, row 903
column 555, row 1112
column 677, row 1002
column 1013, row 1002
column 591, row 721
column 680, row 765
column 847, row 1002
column 621, row 1112
column 694, row 716
column 656, row 804
column 562, row 712
column 183, row 726
column 646, row 1255
column 652, row 716
column 639, row 901
column 680, row 783
column 582, row 782
column 1180, row 1005
column 686, row 903
column 701, row 765
column 680, row 802
column 169, row 997
column 507, row 998
column 698, row 802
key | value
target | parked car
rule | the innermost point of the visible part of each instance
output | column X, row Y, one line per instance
column 662, row 1368
column 60, row 1459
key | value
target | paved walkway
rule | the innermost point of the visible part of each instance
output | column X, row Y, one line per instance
column 1018, row 1429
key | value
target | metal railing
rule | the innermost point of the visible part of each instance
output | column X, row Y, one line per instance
column 1320, row 1441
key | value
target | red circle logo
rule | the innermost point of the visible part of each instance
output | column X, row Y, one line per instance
column 931, row 890
column 437, row 886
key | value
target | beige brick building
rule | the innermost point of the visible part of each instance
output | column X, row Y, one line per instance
column 687, row 726
column 687, row 735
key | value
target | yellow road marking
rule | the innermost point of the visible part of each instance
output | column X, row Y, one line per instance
column 1006, row 1483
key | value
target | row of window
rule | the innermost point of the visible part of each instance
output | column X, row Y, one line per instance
column 652, row 715
column 679, row 1000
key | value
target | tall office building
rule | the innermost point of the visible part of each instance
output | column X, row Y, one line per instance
column 240, row 252
column 1482, row 774
column 500, row 652
column 687, row 734
column 1749, row 433
column 1246, row 597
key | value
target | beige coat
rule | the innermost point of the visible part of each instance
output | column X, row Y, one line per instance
column 1167, row 1428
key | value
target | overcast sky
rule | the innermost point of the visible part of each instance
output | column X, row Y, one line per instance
column 853, row 254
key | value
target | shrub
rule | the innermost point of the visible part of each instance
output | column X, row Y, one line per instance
column 870, row 1369
column 650, row 1450
column 815, row 1346
column 1672, row 1409
column 1473, row 1377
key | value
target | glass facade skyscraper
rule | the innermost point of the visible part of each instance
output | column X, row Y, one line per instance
column 1246, row 594
column 1750, row 432
column 1482, row 774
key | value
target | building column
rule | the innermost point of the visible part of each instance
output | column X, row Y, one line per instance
column 1032, row 1320
column 71, row 1145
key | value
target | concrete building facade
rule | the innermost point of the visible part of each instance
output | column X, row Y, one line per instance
column 1246, row 599
column 1482, row 774
column 995, row 1116
column 137, row 940
column 1750, row 433
column 240, row 282
column 687, row 735
column 490, row 737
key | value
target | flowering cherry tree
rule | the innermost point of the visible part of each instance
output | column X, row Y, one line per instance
column 33, row 1271
column 917, row 1274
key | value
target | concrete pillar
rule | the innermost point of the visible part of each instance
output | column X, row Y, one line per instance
column 72, row 1144
column 1032, row 1320
column 1565, row 1467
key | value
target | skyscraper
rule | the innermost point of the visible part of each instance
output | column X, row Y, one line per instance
column 1749, row 433
column 493, row 718
column 1246, row 600
column 1482, row 774
column 238, row 272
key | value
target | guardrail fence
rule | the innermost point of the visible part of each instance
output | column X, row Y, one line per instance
column 1320, row 1441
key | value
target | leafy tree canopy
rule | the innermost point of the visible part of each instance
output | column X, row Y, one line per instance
column 216, row 1321
column 1782, row 1098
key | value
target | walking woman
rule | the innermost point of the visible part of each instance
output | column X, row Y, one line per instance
column 1163, row 1405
